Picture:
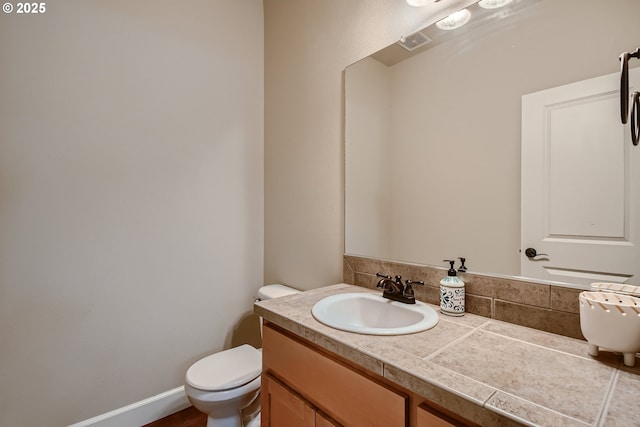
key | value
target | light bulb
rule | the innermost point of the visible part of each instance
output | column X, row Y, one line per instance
column 418, row 3
column 455, row 20
column 493, row 4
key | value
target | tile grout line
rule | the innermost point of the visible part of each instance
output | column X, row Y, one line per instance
column 430, row 381
column 541, row 346
column 448, row 388
column 484, row 404
column 607, row 400
column 456, row 341
column 496, row 390
column 504, row 412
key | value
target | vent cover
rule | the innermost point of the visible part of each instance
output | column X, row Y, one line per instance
column 414, row 41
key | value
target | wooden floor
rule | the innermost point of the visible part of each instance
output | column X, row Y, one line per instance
column 189, row 417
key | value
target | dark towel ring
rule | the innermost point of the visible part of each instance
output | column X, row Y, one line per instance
column 635, row 118
column 624, row 83
column 624, row 87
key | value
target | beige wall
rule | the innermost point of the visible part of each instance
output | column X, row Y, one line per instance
column 131, row 198
column 367, row 191
column 307, row 46
column 455, row 129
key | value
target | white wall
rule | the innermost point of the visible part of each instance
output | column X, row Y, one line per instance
column 308, row 44
column 131, row 198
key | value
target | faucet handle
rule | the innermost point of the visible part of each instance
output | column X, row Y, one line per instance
column 384, row 276
column 408, row 290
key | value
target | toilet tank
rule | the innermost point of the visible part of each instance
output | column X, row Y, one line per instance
column 274, row 291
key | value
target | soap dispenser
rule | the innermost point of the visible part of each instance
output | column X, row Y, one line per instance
column 452, row 292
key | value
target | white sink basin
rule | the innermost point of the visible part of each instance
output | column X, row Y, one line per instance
column 373, row 315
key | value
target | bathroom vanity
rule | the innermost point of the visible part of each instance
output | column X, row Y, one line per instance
column 306, row 386
column 467, row 370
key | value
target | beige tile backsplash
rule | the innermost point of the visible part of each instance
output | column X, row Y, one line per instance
column 536, row 305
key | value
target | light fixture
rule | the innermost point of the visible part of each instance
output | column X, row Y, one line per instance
column 418, row 3
column 493, row 4
column 455, row 20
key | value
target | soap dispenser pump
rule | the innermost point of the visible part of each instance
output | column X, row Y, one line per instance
column 452, row 292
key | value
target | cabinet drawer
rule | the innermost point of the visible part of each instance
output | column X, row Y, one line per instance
column 346, row 395
column 430, row 417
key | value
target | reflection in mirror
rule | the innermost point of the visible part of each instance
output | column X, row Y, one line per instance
column 433, row 142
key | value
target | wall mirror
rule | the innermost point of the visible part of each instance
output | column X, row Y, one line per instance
column 434, row 142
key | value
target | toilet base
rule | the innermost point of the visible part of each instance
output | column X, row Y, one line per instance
column 254, row 422
column 229, row 421
column 233, row 420
column 224, row 408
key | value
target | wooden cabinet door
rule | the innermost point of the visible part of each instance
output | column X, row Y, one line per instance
column 283, row 408
column 324, row 421
column 429, row 417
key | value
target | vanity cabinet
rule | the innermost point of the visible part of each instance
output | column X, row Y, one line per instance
column 427, row 416
column 304, row 385
column 287, row 408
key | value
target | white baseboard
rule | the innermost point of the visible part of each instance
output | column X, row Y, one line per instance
column 142, row 412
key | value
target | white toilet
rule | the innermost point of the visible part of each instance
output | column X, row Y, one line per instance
column 224, row 383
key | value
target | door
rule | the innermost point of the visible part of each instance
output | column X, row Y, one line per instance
column 283, row 408
column 430, row 417
column 323, row 420
column 580, row 184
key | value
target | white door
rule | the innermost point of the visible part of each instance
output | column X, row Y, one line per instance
column 580, row 184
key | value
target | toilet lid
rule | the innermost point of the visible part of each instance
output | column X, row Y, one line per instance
column 275, row 291
column 226, row 369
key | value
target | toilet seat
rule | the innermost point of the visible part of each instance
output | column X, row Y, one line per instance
column 226, row 370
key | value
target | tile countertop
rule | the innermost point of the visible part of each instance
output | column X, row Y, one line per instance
column 482, row 369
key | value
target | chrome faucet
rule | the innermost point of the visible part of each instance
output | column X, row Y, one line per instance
column 396, row 290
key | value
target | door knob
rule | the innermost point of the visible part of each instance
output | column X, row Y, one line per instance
column 532, row 253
